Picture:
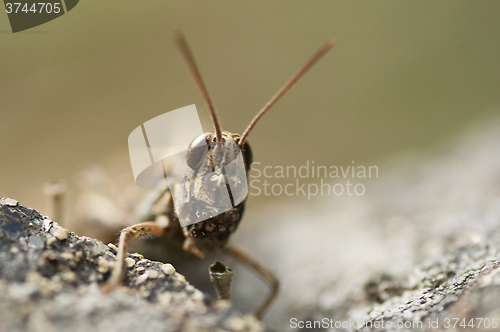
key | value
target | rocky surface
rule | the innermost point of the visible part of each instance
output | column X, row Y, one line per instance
column 423, row 243
column 419, row 250
column 49, row 281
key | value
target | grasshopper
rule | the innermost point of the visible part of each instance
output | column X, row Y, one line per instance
column 210, row 235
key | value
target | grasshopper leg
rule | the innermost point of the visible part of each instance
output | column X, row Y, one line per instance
column 126, row 235
column 260, row 269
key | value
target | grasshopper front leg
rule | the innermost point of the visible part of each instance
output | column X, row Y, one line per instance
column 262, row 270
column 126, row 235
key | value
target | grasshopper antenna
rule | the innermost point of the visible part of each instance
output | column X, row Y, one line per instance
column 319, row 54
column 188, row 56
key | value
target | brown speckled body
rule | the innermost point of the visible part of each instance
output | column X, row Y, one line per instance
column 212, row 235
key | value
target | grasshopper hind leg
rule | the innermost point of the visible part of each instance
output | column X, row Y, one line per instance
column 261, row 270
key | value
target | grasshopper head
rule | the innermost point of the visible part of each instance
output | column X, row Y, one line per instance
column 204, row 149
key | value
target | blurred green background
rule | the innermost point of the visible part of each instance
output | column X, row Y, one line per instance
column 403, row 76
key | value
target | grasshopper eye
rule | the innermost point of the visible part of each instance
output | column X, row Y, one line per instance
column 197, row 150
column 247, row 155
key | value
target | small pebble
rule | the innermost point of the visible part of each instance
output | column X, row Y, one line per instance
column 142, row 278
column 179, row 281
column 168, row 269
column 222, row 304
column 129, row 261
column 10, row 201
column 112, row 246
column 51, row 240
column 197, row 296
column 61, row 234
column 143, row 262
column 103, row 265
column 165, row 298
column 78, row 255
column 69, row 276
column 36, row 241
column 47, row 224
column 67, row 256
column 140, row 270
column 152, row 274
column 236, row 323
column 136, row 255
